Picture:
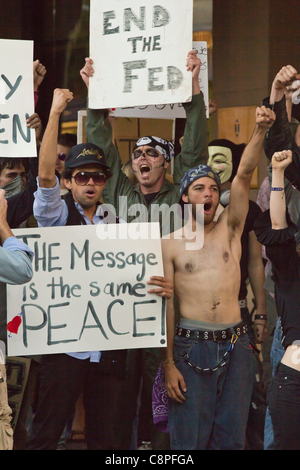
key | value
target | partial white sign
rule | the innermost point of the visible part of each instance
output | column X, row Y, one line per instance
column 16, row 98
column 88, row 292
column 172, row 110
column 139, row 49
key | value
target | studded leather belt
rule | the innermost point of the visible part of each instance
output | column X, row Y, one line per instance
column 218, row 335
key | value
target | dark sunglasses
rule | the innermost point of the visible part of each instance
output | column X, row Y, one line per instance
column 152, row 153
column 83, row 177
column 62, row 156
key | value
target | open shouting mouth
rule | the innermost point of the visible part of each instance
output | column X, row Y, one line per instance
column 207, row 207
column 144, row 170
column 90, row 193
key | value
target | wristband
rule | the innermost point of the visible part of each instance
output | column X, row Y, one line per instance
column 277, row 189
column 260, row 317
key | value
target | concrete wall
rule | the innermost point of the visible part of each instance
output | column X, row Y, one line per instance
column 252, row 40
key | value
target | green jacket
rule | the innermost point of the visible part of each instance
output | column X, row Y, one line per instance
column 194, row 152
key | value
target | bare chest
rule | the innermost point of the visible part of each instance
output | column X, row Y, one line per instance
column 212, row 256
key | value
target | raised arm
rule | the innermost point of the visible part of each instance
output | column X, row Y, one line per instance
column 280, row 137
column 239, row 197
column 99, row 131
column 193, row 64
column 280, row 161
column 98, row 128
column 194, row 151
column 48, row 151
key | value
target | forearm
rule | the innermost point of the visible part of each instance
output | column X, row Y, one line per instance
column 279, row 136
column 194, row 151
column 98, row 129
column 257, row 279
column 167, row 353
column 278, row 201
column 196, row 86
column 16, row 267
column 256, row 272
column 240, row 187
column 276, row 94
column 48, row 152
column 252, row 154
column 99, row 132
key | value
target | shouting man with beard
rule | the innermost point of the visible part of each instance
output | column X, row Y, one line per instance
column 208, row 362
column 151, row 199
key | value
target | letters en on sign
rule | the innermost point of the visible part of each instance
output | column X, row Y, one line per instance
column 16, row 98
column 139, row 51
column 88, row 292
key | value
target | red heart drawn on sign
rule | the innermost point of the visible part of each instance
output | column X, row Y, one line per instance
column 13, row 326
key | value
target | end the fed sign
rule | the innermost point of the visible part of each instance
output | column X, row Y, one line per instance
column 139, row 51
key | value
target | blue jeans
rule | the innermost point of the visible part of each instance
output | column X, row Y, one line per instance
column 277, row 353
column 216, row 410
column 284, row 405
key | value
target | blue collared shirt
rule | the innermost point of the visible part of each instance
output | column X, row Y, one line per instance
column 50, row 210
column 15, row 262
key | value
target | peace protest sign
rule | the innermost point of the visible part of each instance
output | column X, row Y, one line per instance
column 88, row 291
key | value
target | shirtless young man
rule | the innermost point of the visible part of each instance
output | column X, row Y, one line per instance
column 208, row 386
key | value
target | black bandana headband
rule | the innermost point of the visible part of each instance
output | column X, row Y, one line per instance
column 163, row 146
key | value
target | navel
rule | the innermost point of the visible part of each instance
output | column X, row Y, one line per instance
column 226, row 257
column 215, row 305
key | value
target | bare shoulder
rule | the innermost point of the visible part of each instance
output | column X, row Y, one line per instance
column 171, row 243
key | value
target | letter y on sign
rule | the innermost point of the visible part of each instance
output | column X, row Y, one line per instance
column 12, row 88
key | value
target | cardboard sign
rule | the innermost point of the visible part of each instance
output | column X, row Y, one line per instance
column 16, row 99
column 139, row 49
column 88, row 292
column 172, row 110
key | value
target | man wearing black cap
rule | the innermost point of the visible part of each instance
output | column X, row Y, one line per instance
column 63, row 376
column 208, row 363
column 85, row 175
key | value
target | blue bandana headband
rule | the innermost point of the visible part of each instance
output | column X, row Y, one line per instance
column 161, row 145
column 196, row 173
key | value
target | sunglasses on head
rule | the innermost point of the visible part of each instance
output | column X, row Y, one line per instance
column 152, row 153
column 83, row 177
